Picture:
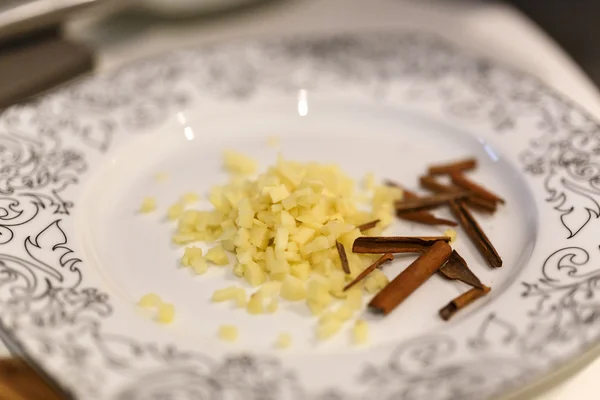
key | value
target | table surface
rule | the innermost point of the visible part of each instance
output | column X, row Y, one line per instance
column 486, row 28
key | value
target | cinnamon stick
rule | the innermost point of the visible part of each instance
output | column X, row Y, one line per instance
column 462, row 301
column 384, row 258
column 343, row 257
column 422, row 217
column 425, row 203
column 368, row 225
column 476, row 234
column 476, row 203
column 457, row 268
column 395, row 244
column 411, row 278
column 456, row 166
column 462, row 181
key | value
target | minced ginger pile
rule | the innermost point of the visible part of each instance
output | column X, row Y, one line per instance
column 282, row 226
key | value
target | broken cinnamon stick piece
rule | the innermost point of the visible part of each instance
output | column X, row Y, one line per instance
column 395, row 244
column 411, row 278
column 456, row 166
column 425, row 203
column 457, row 268
column 462, row 181
column 476, row 203
column 476, row 234
column 422, row 217
column 462, row 301
column 369, row 269
column 462, row 165
column 368, row 225
column 343, row 257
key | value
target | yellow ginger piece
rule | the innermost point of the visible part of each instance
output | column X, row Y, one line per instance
column 360, row 332
column 375, row 281
column 175, row 211
column 238, row 163
column 166, row 314
column 190, row 254
column 228, row 333
column 189, row 198
column 217, row 255
column 451, row 233
column 148, row 205
column 284, row 340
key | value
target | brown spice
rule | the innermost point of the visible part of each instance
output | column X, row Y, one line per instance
column 476, row 234
column 395, row 244
column 462, row 301
column 476, row 203
column 422, row 217
column 369, row 269
column 425, row 203
column 462, row 181
column 411, row 278
column 368, row 225
column 343, row 257
column 457, row 268
column 462, row 165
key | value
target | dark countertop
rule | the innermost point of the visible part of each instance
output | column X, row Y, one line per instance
column 574, row 24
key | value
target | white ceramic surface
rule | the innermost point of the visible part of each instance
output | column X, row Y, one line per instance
column 76, row 257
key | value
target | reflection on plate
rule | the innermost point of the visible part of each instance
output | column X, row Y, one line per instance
column 75, row 257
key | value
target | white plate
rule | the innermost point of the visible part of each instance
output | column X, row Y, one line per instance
column 76, row 256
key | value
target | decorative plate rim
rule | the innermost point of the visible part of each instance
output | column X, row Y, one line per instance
column 45, row 308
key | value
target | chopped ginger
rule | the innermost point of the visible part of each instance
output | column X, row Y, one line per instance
column 228, row 293
column 189, row 198
column 451, row 233
column 166, row 313
column 228, row 333
column 281, row 226
column 293, row 289
column 376, row 281
column 283, row 341
column 217, row 255
column 238, row 163
column 360, row 332
column 328, row 327
column 175, row 211
column 190, row 254
column 150, row 300
column 148, row 205
column 255, row 304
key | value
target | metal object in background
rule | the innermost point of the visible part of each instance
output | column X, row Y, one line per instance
column 18, row 17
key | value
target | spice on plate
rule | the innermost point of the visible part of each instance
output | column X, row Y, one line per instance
column 422, row 217
column 411, row 278
column 462, row 301
column 456, row 166
column 426, row 203
column 476, row 203
column 395, row 244
column 343, row 257
column 457, row 268
column 462, row 181
column 476, row 234
column 368, row 225
column 369, row 269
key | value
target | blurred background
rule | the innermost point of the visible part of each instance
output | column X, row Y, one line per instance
column 116, row 31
